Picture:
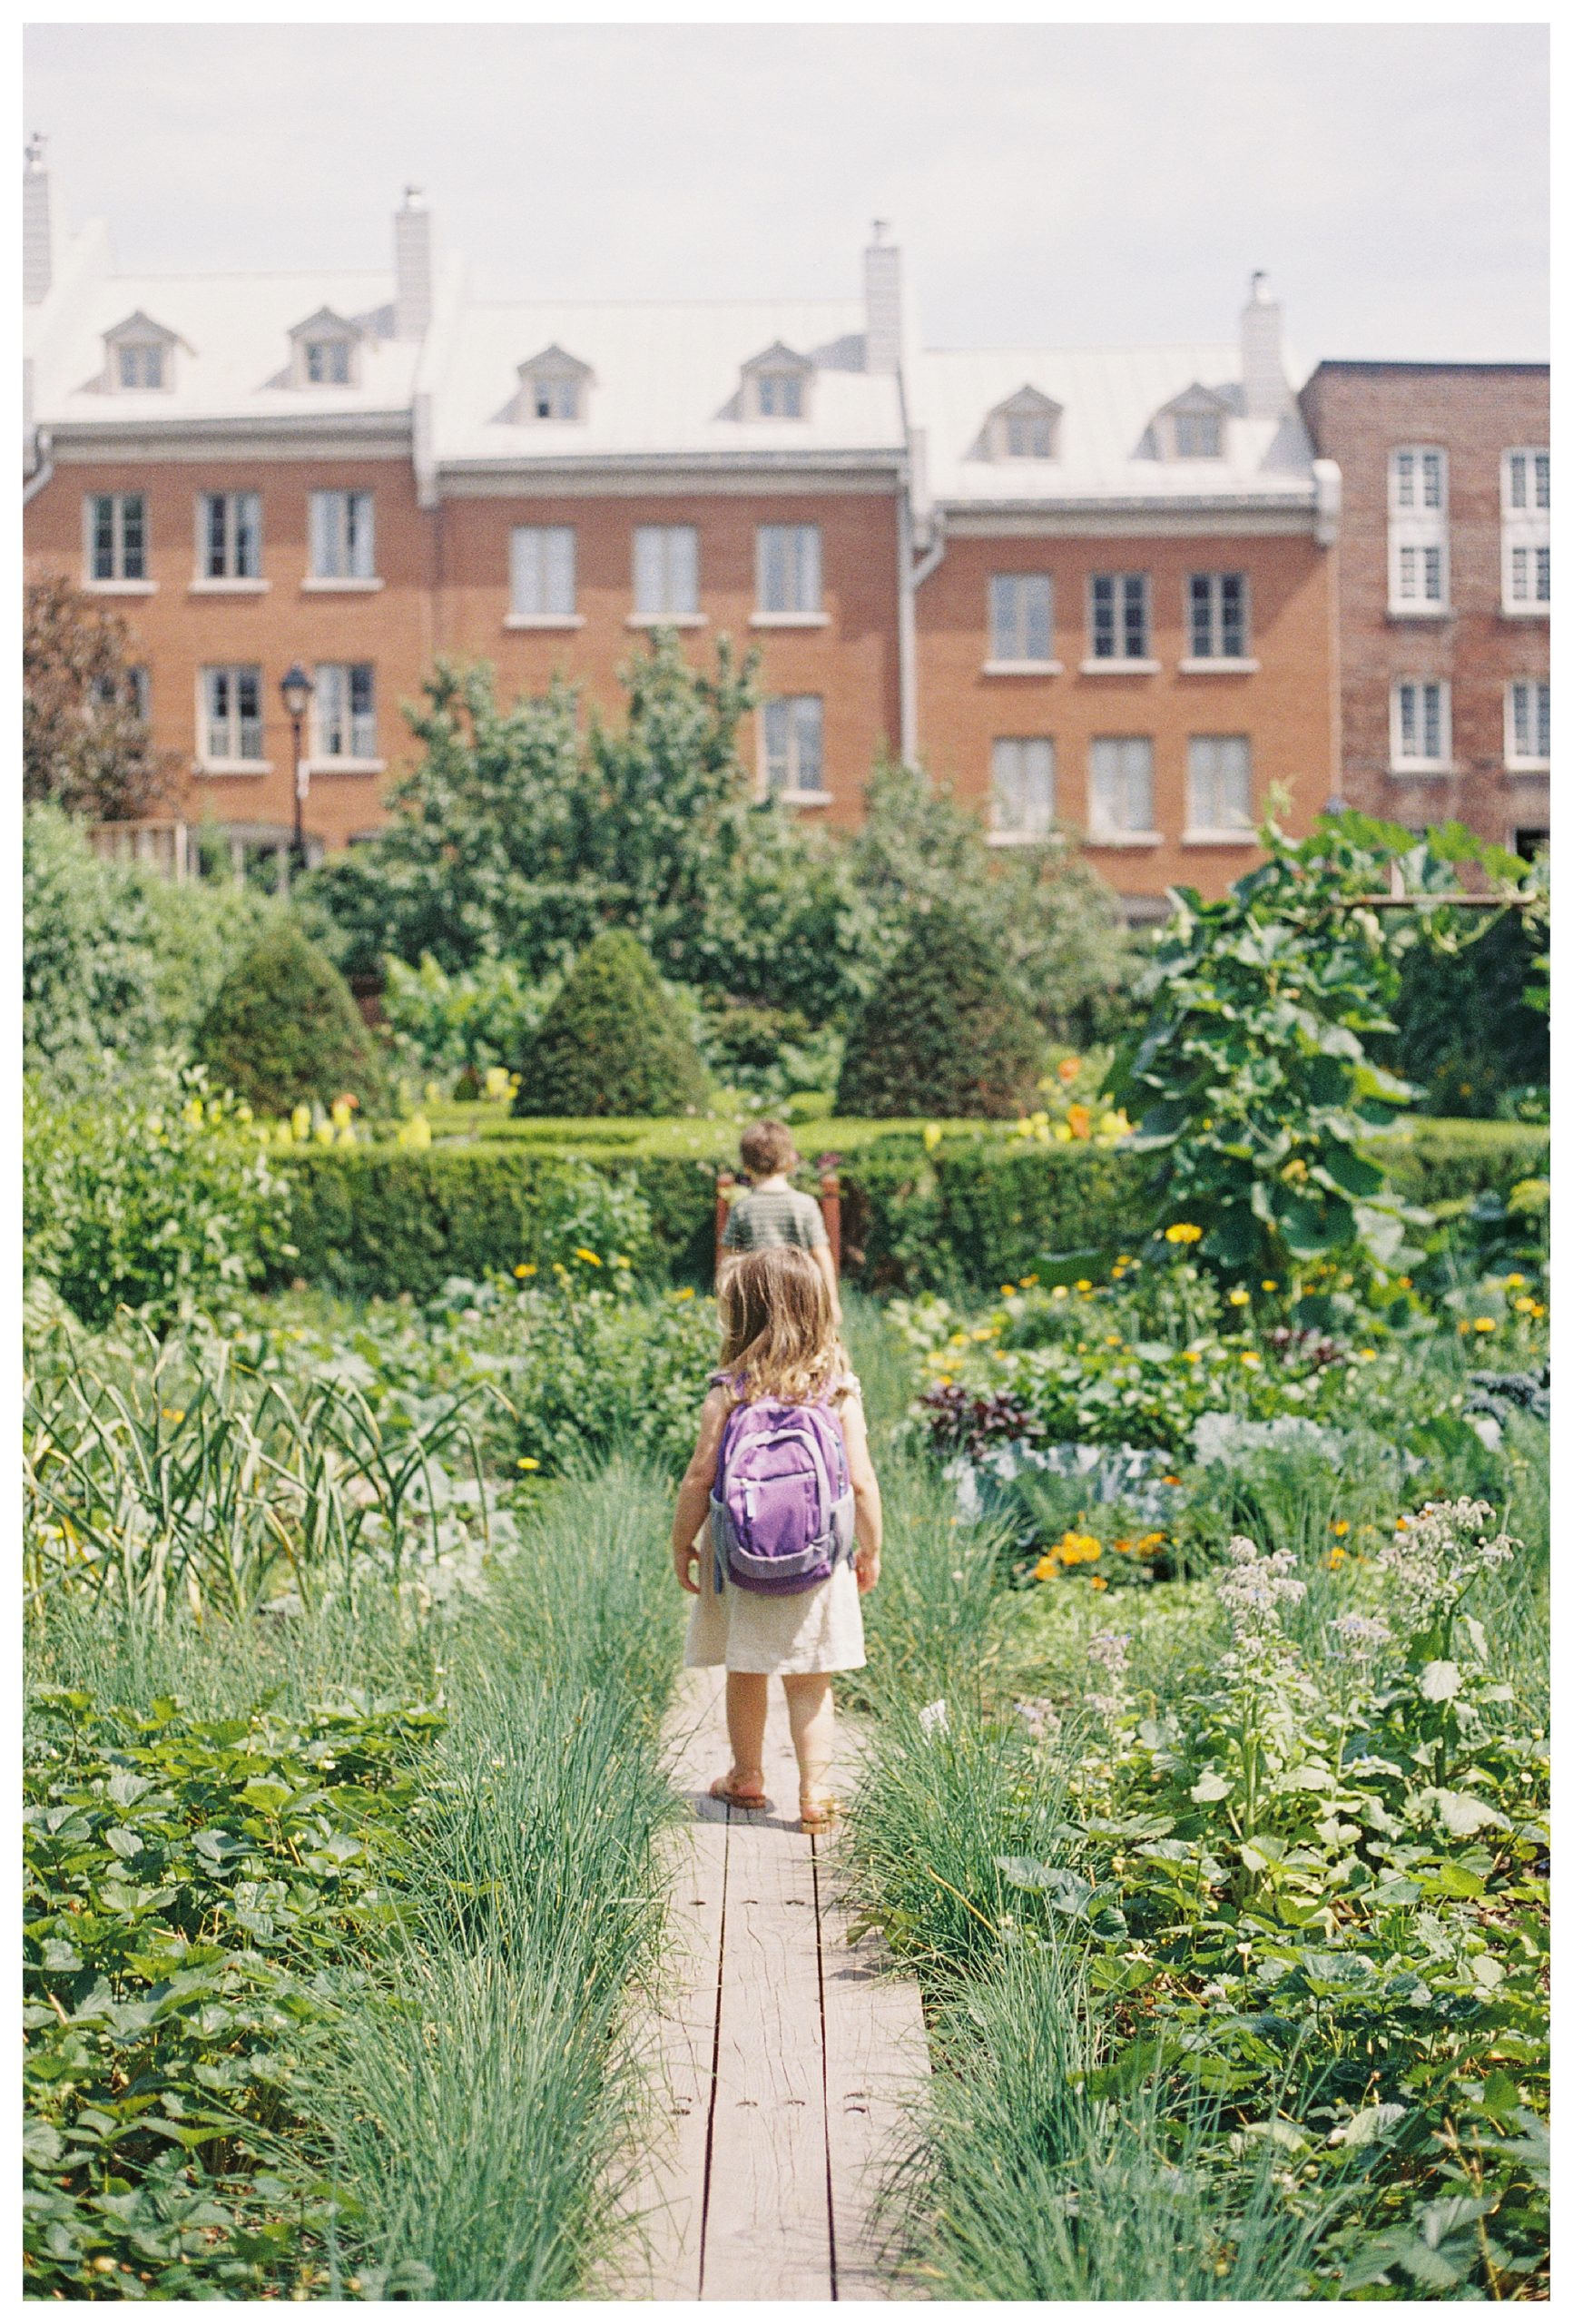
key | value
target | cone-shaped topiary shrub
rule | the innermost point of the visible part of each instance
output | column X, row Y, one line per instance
column 945, row 1031
column 612, row 1041
column 283, row 1029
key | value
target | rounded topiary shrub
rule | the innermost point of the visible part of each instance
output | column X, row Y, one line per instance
column 283, row 1029
column 945, row 1031
column 612, row 1041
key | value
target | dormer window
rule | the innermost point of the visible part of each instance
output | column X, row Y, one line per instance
column 1192, row 427
column 1024, row 427
column 554, row 387
column 325, row 352
column 139, row 356
column 776, row 384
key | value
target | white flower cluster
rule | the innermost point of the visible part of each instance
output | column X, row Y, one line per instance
column 1433, row 1557
column 1110, row 1651
column 1252, row 1591
column 1361, row 1634
column 1040, row 1719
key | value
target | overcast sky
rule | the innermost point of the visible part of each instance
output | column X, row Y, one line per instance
column 1051, row 185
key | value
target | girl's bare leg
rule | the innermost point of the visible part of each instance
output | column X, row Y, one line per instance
column 812, row 1715
column 745, row 1706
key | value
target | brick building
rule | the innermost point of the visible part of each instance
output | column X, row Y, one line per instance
column 1444, row 590
column 1095, row 590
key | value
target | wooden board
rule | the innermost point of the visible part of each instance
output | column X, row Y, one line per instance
column 784, row 2060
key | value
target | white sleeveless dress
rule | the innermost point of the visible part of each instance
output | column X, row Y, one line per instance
column 812, row 1630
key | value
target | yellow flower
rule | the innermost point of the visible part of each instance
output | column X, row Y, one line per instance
column 1193, row 1355
column 619, row 1261
column 1078, row 1549
column 1096, row 1581
column 300, row 1121
column 1485, row 1323
column 527, row 1462
column 1527, row 1306
column 1150, row 1541
column 686, row 1292
column 1008, row 1291
column 1238, row 1298
column 166, row 1413
column 1084, row 1285
column 1028, row 1281
column 588, row 1256
column 933, row 1134
column 1182, row 1233
column 1335, row 1559
column 525, row 1267
column 1269, row 1283
column 1249, row 1355
column 1513, row 1282
column 1060, row 1292
column 1366, row 1355
column 1045, row 1570
column 1123, row 1548
column 1340, row 1526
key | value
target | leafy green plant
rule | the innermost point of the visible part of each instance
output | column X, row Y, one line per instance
column 283, row 1028
column 945, row 1032
column 1253, row 1076
column 159, row 1200
column 478, row 1017
column 612, row 1042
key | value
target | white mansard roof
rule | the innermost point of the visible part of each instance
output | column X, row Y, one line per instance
column 666, row 384
column 235, row 354
column 1106, row 449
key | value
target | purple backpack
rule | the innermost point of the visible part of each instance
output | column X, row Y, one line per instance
column 780, row 1509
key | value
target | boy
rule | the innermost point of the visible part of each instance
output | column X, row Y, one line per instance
column 773, row 1212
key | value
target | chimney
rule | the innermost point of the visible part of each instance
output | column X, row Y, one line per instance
column 37, row 230
column 412, row 266
column 1262, row 353
column 881, row 303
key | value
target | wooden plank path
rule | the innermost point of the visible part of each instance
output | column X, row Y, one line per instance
column 783, row 2058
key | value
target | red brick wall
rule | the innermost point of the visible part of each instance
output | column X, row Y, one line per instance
column 1357, row 414
column 851, row 662
column 1285, row 707
column 175, row 631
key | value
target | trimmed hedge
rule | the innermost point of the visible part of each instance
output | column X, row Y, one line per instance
column 983, row 1208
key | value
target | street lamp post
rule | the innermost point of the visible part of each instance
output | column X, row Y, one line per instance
column 295, row 686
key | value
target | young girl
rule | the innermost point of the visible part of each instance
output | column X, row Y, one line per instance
column 780, row 1340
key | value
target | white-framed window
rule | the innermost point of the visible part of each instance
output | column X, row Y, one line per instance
column 141, row 363
column 344, row 706
column 1028, row 436
column 794, row 732
column 779, row 395
column 552, row 395
column 1416, row 529
column 231, row 729
column 343, row 536
column 541, row 582
column 1119, row 619
column 230, row 535
column 329, row 362
column 1215, row 609
column 117, row 537
column 1020, row 618
column 1422, row 720
column 1218, row 782
column 788, row 569
column 1527, row 529
column 1527, row 736
column 128, row 689
column 1023, row 786
column 1120, row 791
column 666, row 569
column 1198, row 434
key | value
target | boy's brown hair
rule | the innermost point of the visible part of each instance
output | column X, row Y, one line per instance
column 765, row 1148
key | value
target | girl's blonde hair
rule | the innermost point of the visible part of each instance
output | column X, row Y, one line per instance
column 779, row 1335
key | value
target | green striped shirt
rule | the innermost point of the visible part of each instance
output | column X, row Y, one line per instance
column 766, row 1216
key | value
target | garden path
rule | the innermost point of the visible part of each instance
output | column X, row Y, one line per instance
column 786, row 2057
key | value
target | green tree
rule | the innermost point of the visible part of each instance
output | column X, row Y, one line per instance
column 612, row 1041
column 1253, row 1079
column 283, row 1029
column 946, row 1030
column 1056, row 922
column 117, row 962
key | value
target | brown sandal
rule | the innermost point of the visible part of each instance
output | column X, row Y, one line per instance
column 751, row 1802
